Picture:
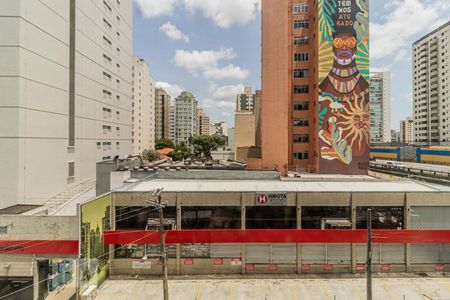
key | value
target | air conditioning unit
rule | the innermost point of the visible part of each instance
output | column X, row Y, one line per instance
column 90, row 293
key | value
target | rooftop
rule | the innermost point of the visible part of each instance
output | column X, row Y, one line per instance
column 431, row 33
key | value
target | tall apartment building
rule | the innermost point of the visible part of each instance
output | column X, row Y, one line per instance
column 65, row 77
column 186, row 124
column 407, row 131
column 315, row 91
column 162, row 115
column 143, row 107
column 172, row 123
column 246, row 100
column 203, row 122
column 380, row 107
column 431, row 87
column 220, row 128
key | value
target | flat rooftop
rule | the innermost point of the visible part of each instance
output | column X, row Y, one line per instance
column 185, row 185
column 304, row 289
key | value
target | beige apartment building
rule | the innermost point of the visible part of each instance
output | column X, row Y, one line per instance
column 143, row 107
column 65, row 78
column 203, row 122
column 162, row 114
column 407, row 131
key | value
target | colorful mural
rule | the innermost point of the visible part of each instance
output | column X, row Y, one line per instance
column 343, row 105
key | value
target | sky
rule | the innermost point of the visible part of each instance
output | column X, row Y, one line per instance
column 212, row 48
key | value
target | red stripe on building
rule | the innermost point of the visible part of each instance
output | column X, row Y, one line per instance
column 50, row 247
column 276, row 236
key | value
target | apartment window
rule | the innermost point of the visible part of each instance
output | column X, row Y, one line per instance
column 117, row 145
column 71, row 169
column 107, row 6
column 118, row 115
column 302, row 56
column 301, row 106
column 118, row 51
column 107, row 76
column 301, row 155
column 106, row 94
column 301, row 73
column 118, row 83
column 118, row 131
column 301, row 122
column 106, row 23
column 301, row 40
column 107, row 158
column 107, row 41
column 99, row 145
column 107, row 59
column 299, row 24
column 3, row 230
column 106, row 129
column 300, row 8
column 106, row 112
column 301, row 89
column 118, row 98
column 118, row 34
column 301, row 138
column 118, row 66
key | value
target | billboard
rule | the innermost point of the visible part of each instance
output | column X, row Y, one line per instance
column 343, row 106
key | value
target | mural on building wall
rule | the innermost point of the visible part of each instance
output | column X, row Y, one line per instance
column 344, row 117
column 94, row 258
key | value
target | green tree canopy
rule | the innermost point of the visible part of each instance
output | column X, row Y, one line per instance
column 150, row 155
column 164, row 143
column 204, row 144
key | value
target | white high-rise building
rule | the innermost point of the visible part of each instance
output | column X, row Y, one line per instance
column 186, row 124
column 245, row 101
column 407, row 131
column 172, row 123
column 380, row 107
column 431, row 87
column 65, row 85
column 143, row 107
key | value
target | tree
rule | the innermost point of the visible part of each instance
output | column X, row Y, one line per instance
column 175, row 155
column 205, row 144
column 150, row 155
column 184, row 149
column 164, row 143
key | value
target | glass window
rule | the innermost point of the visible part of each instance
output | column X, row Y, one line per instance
column 299, row 106
column 216, row 217
column 298, row 24
column 301, row 40
column 300, row 155
column 301, row 89
column 382, row 217
column 301, row 122
column 300, row 8
column 301, row 73
column 326, row 217
column 274, row 217
column 301, row 56
column 301, row 138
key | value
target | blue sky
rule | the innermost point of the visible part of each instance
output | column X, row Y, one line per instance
column 212, row 47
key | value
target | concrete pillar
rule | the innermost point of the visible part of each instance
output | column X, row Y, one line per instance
column 353, row 220
column 178, row 246
column 299, row 226
column 35, row 278
column 243, row 246
column 407, row 225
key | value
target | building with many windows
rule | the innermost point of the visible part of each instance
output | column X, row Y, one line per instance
column 143, row 107
column 407, row 131
column 203, row 122
column 65, row 75
column 315, row 90
column 246, row 100
column 162, row 114
column 186, row 124
column 172, row 123
column 380, row 107
column 431, row 87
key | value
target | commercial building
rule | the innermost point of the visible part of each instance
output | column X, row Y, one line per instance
column 380, row 107
column 162, row 114
column 203, row 122
column 143, row 107
column 315, row 91
column 407, row 131
column 431, row 88
column 66, row 79
column 186, row 124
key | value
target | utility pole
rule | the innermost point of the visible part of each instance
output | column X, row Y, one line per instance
column 369, row 254
column 159, row 205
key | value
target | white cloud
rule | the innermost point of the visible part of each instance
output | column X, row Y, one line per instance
column 172, row 89
column 173, row 32
column 156, row 8
column 206, row 63
column 404, row 20
column 226, row 13
column 227, row 92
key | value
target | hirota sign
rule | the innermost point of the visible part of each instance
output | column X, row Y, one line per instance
column 271, row 199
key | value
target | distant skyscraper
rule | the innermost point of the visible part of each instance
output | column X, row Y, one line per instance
column 185, row 117
column 431, row 87
column 65, row 82
column 162, row 115
column 407, row 131
column 245, row 101
column 172, row 123
column 220, row 128
column 380, row 107
column 143, row 107
column 203, row 122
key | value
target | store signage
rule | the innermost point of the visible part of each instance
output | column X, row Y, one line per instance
column 188, row 261
column 273, row 267
column 141, row 264
column 250, row 267
column 440, row 268
column 236, row 262
column 328, row 268
column 271, row 199
column 385, row 268
column 360, row 268
column 218, row 261
column 306, row 268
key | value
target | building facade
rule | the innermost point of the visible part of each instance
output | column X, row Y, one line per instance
column 162, row 114
column 380, row 107
column 407, row 131
column 203, row 122
column 186, row 124
column 246, row 100
column 172, row 123
column 143, row 107
column 431, row 87
column 66, row 94
column 220, row 128
column 315, row 91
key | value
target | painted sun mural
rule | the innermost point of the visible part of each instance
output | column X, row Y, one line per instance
column 344, row 117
